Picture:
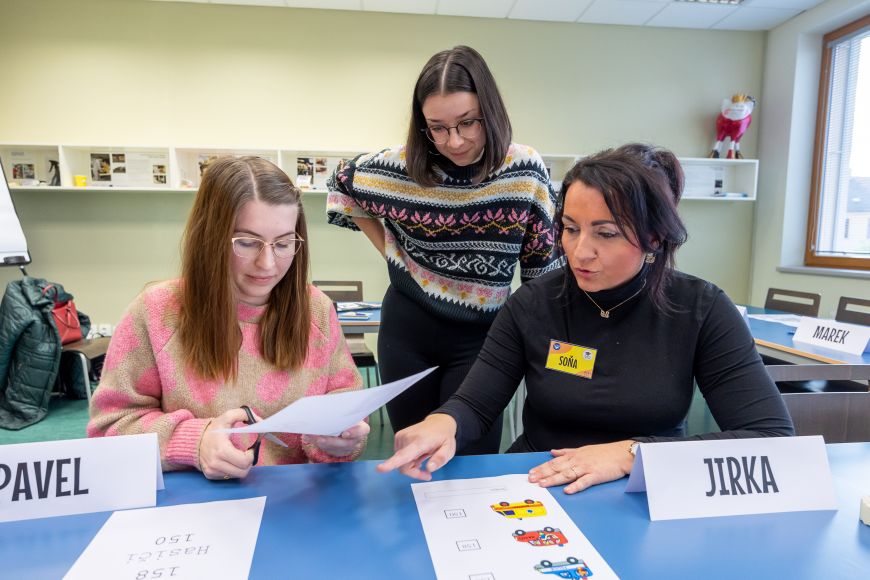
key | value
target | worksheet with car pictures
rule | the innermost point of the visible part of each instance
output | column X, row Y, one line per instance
column 200, row 540
column 502, row 528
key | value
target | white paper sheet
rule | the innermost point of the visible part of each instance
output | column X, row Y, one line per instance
column 502, row 528
column 202, row 540
column 792, row 320
column 330, row 414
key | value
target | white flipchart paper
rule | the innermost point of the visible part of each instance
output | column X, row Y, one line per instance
column 201, row 540
column 330, row 414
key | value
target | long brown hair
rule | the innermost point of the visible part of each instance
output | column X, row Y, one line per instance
column 460, row 69
column 208, row 321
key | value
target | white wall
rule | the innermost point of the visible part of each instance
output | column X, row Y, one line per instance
column 116, row 72
column 786, row 139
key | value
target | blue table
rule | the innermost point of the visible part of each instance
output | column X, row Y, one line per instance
column 355, row 326
column 777, row 340
column 347, row 521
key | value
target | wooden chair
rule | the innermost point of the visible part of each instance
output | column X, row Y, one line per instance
column 838, row 417
column 860, row 315
column 802, row 303
column 89, row 353
column 351, row 291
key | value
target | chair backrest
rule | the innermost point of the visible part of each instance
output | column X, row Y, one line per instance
column 838, row 417
column 847, row 313
column 341, row 290
column 803, row 303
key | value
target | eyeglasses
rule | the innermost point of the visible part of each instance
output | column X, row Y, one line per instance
column 467, row 129
column 251, row 247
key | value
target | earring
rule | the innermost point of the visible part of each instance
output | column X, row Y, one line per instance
column 650, row 258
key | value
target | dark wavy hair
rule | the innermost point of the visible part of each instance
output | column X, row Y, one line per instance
column 460, row 69
column 641, row 185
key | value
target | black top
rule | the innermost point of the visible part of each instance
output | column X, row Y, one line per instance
column 642, row 381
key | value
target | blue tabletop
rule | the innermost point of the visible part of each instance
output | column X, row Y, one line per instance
column 347, row 521
column 783, row 335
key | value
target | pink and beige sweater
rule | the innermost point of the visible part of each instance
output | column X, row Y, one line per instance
column 146, row 386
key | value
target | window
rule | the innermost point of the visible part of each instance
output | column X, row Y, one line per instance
column 841, row 162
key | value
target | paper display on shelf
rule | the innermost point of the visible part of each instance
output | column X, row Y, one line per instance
column 502, row 527
column 203, row 540
column 729, row 477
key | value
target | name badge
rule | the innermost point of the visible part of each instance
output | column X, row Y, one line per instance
column 571, row 358
column 833, row 335
column 729, row 477
column 59, row 478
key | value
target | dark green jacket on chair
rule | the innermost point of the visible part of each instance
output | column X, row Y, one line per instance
column 29, row 351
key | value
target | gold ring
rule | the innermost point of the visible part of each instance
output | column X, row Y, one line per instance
column 571, row 467
column 226, row 476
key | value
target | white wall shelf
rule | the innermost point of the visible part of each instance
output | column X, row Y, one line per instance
column 178, row 169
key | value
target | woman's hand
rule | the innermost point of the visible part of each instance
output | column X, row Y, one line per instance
column 584, row 467
column 343, row 445
column 434, row 439
column 218, row 457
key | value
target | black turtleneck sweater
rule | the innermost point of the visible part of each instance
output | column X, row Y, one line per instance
column 642, row 381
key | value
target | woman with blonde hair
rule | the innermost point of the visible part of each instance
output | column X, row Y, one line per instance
column 241, row 327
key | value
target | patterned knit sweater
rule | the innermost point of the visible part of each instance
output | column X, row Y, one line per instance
column 146, row 386
column 453, row 248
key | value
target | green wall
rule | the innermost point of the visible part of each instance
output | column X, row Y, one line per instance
column 131, row 72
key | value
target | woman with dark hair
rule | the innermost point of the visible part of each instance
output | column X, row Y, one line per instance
column 611, row 344
column 452, row 212
column 242, row 326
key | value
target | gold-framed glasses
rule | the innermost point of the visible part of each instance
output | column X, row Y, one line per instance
column 466, row 128
column 245, row 247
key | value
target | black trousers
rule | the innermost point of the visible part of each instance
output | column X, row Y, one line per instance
column 411, row 340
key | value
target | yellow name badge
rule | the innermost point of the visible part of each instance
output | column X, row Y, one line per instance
column 571, row 358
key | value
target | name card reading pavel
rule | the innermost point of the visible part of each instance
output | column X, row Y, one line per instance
column 729, row 477
column 59, row 478
column 833, row 335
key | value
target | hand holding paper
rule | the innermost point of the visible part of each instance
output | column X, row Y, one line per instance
column 330, row 414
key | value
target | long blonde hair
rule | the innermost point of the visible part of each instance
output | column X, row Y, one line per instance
column 208, row 320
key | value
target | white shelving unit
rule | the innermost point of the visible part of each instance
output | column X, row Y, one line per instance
column 178, row 169
column 720, row 179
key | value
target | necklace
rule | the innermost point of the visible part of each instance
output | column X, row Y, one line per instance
column 606, row 313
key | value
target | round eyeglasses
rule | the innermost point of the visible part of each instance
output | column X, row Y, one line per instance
column 251, row 247
column 467, row 129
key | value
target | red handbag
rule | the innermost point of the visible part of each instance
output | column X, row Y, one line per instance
column 66, row 319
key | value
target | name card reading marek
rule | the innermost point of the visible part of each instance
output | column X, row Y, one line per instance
column 729, row 477
column 59, row 478
column 833, row 335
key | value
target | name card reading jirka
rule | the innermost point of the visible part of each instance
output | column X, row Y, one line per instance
column 833, row 335
column 729, row 477
column 59, row 478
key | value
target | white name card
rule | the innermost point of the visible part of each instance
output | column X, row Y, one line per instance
column 833, row 335
column 729, row 477
column 59, row 478
column 744, row 313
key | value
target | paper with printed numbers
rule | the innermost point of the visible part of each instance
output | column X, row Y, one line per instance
column 202, row 540
column 502, row 528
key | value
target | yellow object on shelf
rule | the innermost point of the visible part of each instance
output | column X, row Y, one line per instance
column 80, row 180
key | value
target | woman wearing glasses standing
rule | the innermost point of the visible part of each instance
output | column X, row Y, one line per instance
column 452, row 211
column 241, row 327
